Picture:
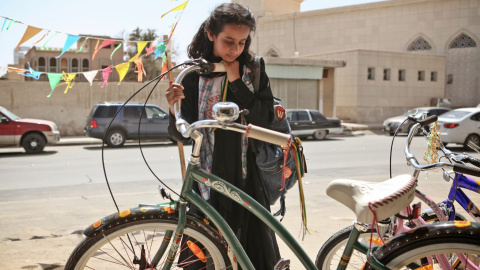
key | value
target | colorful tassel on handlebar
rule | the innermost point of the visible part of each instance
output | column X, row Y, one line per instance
column 297, row 151
column 431, row 154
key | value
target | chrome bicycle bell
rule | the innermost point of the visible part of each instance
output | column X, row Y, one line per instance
column 225, row 112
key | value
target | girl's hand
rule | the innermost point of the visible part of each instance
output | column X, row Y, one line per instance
column 174, row 93
column 232, row 69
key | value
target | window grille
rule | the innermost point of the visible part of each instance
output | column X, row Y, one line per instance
column 419, row 44
column 463, row 41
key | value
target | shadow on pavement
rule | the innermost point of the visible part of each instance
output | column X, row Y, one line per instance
column 24, row 154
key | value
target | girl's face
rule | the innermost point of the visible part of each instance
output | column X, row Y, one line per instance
column 229, row 43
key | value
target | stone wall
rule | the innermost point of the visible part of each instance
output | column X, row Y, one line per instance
column 70, row 110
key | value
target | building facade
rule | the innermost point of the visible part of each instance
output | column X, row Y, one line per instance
column 399, row 54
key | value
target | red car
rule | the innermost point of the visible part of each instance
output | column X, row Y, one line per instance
column 32, row 134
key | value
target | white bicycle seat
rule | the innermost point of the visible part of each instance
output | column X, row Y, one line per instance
column 385, row 198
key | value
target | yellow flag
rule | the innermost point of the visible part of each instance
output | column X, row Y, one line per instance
column 140, row 47
column 122, row 70
column 29, row 33
column 182, row 6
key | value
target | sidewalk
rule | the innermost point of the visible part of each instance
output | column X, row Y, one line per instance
column 351, row 129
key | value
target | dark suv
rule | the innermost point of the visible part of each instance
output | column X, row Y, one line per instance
column 154, row 124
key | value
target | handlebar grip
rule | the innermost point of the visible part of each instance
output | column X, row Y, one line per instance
column 473, row 161
column 268, row 135
column 428, row 120
column 218, row 67
column 460, row 168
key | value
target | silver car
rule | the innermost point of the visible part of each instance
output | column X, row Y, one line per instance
column 391, row 124
column 460, row 126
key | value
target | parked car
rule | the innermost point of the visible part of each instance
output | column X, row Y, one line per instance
column 306, row 123
column 31, row 134
column 391, row 124
column 154, row 123
column 460, row 126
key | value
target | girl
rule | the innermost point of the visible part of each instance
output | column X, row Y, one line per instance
column 225, row 37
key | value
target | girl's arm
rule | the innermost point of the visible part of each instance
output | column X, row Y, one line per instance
column 260, row 103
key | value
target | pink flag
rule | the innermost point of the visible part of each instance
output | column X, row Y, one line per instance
column 105, row 73
column 105, row 43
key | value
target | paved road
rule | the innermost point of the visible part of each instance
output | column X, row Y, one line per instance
column 47, row 200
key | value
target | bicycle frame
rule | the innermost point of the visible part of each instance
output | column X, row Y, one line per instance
column 456, row 194
column 195, row 174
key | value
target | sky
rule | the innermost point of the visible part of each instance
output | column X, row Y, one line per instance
column 114, row 18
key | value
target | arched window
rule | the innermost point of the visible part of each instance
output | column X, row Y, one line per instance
column 419, row 44
column 64, row 65
column 463, row 41
column 53, row 65
column 74, row 65
column 42, row 64
column 85, row 65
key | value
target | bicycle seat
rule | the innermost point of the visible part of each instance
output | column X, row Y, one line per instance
column 385, row 198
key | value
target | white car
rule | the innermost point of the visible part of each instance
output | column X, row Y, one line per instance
column 460, row 126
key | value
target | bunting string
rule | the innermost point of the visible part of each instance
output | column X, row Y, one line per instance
column 68, row 78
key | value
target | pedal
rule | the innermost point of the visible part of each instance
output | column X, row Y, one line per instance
column 282, row 264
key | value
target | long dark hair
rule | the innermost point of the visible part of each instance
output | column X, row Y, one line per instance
column 227, row 13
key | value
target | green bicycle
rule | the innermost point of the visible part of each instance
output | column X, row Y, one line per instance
column 152, row 236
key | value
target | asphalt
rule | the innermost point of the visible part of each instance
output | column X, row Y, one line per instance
column 351, row 129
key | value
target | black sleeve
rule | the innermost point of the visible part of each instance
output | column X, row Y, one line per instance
column 189, row 106
column 260, row 103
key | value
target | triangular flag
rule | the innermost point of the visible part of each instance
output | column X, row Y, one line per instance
column 13, row 69
column 151, row 49
column 68, row 78
column 42, row 37
column 105, row 43
column 122, row 70
column 160, row 48
column 118, row 47
column 105, row 73
column 33, row 74
column 54, row 79
column 68, row 43
column 48, row 40
column 164, row 69
column 140, row 69
column 140, row 47
column 29, row 33
column 90, row 75
column 182, row 6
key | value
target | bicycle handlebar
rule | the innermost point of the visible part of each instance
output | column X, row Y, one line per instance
column 459, row 168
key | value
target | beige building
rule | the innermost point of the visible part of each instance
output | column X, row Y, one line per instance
column 398, row 54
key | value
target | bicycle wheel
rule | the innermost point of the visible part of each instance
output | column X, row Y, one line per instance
column 133, row 245
column 417, row 247
column 331, row 252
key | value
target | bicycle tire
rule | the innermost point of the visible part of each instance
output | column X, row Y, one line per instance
column 426, row 241
column 112, row 249
column 332, row 250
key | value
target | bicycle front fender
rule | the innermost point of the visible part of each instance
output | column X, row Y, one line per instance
column 148, row 213
column 459, row 229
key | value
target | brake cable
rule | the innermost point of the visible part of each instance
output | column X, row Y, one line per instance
column 158, row 78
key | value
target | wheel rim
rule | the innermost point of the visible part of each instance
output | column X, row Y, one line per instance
column 357, row 260
column 475, row 139
column 114, row 250
column 320, row 134
column 116, row 138
column 33, row 143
